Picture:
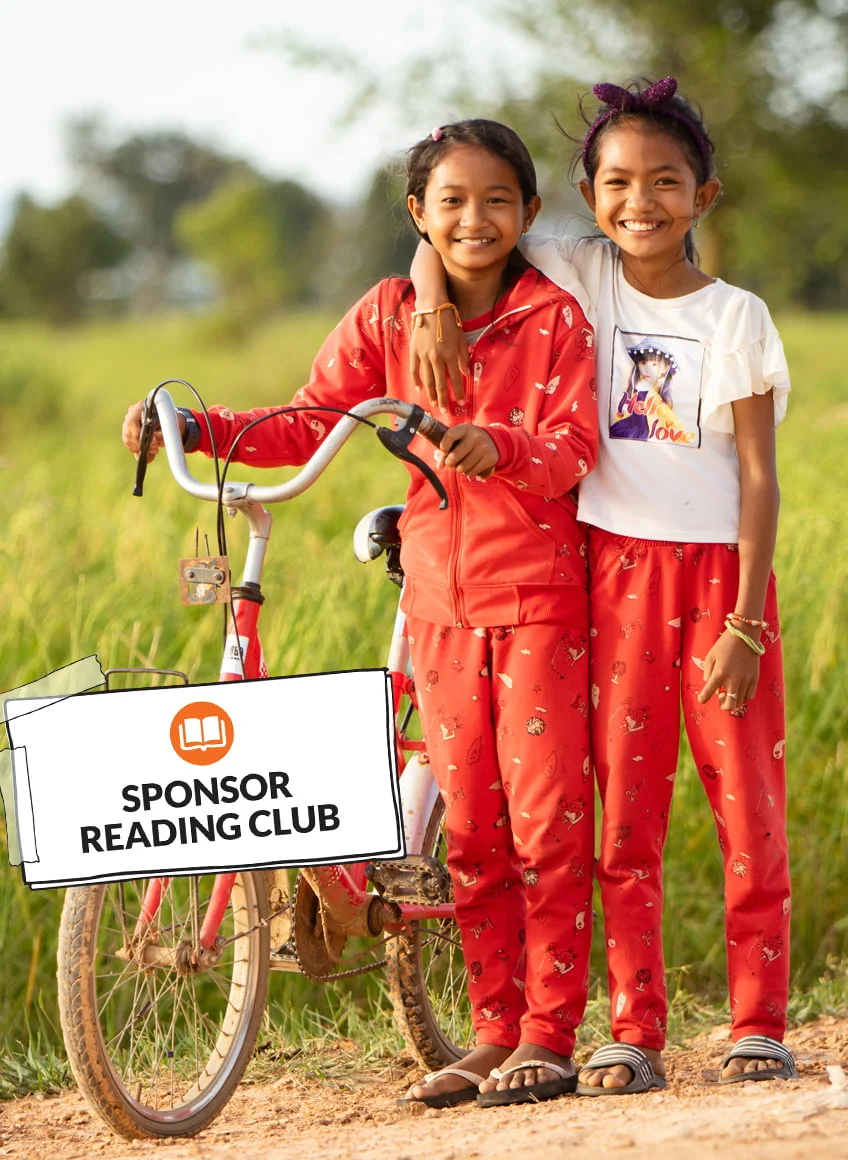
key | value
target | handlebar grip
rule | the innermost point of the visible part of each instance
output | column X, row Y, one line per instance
column 432, row 430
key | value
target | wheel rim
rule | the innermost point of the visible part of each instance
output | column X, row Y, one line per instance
column 170, row 1035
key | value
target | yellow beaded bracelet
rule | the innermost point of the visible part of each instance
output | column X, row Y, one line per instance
column 754, row 645
column 418, row 317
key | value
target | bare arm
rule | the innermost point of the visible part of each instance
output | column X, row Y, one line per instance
column 435, row 366
column 730, row 663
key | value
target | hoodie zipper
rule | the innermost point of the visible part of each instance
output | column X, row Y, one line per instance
column 454, row 489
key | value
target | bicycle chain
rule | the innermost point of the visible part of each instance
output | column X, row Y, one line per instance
column 330, row 975
column 289, row 906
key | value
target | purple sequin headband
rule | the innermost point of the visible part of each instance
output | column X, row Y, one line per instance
column 656, row 98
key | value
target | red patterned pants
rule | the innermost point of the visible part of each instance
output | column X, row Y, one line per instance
column 657, row 609
column 505, row 716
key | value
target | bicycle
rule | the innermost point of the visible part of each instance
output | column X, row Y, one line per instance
column 162, row 982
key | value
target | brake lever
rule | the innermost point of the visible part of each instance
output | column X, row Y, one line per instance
column 149, row 423
column 397, row 442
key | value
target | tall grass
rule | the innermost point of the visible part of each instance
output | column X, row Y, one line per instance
column 86, row 568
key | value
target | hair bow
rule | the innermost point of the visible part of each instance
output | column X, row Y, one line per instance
column 623, row 100
column 656, row 97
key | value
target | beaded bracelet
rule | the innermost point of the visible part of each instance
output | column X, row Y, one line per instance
column 418, row 316
column 754, row 645
column 763, row 624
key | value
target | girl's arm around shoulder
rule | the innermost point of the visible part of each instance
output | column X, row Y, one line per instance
column 571, row 263
column 562, row 450
column 350, row 367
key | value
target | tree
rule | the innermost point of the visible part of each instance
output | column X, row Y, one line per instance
column 142, row 183
column 772, row 76
column 47, row 254
column 379, row 239
column 261, row 240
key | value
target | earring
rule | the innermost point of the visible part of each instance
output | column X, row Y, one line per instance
column 696, row 221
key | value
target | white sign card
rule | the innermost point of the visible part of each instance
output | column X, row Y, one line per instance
column 289, row 771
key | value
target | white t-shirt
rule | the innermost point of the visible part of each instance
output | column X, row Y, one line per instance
column 668, row 370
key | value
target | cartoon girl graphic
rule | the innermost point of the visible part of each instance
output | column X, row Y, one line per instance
column 646, row 405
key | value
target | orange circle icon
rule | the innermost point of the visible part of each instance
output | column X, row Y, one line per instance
column 201, row 733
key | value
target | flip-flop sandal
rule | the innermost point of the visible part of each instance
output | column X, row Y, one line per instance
column 445, row 1099
column 760, row 1047
column 618, row 1054
column 533, row 1093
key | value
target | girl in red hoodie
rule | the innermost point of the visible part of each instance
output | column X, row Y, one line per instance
column 495, row 596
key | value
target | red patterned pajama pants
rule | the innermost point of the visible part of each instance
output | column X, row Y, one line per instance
column 505, row 716
column 657, row 609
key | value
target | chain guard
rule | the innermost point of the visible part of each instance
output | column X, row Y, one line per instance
column 317, row 951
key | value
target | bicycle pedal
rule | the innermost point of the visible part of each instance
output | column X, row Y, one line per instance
column 284, row 958
column 417, row 878
column 205, row 580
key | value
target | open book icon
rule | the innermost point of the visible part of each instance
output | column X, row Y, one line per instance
column 203, row 733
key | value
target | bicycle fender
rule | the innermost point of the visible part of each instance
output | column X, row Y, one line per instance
column 418, row 792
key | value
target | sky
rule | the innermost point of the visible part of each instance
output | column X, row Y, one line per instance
column 216, row 70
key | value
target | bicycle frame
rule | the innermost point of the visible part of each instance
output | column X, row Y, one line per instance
column 343, row 889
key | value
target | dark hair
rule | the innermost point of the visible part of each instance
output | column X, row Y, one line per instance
column 496, row 138
column 499, row 139
column 658, row 104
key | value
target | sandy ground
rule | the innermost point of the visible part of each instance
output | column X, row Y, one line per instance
column 291, row 1117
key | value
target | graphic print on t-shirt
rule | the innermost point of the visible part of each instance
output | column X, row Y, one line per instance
column 655, row 391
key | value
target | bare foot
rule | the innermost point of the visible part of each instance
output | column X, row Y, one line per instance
column 620, row 1075
column 742, row 1064
column 480, row 1061
column 530, row 1075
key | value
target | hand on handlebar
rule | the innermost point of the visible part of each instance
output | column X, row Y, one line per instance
column 131, row 432
column 469, row 450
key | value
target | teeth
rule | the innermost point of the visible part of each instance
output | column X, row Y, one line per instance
column 475, row 241
column 641, row 227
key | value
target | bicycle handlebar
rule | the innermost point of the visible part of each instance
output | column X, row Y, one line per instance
column 161, row 400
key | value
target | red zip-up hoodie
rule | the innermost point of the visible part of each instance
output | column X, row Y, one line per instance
column 509, row 549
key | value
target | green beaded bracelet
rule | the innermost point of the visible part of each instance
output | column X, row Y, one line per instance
column 754, row 645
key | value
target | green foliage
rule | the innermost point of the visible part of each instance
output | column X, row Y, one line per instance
column 47, row 254
column 142, row 183
column 260, row 239
column 86, row 568
column 378, row 240
column 147, row 178
column 770, row 75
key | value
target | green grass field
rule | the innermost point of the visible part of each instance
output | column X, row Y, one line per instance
column 86, row 568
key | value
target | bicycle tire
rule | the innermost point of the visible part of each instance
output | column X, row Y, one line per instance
column 427, row 977
column 158, row 1048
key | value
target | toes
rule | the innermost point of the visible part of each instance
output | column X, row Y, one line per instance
column 619, row 1076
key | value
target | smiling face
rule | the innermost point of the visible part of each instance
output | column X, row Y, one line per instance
column 473, row 212
column 645, row 194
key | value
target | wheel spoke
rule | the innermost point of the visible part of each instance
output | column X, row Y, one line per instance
column 175, row 1035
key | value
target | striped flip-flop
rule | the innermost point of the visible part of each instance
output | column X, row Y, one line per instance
column 618, row 1054
column 760, row 1047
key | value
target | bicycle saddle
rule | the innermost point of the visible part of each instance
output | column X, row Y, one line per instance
column 376, row 532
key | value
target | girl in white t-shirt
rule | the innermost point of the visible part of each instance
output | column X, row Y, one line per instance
column 682, row 508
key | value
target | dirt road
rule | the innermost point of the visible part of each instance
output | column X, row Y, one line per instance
column 357, row 1120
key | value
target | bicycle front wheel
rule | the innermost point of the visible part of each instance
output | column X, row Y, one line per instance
column 157, row 1036
column 427, row 977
